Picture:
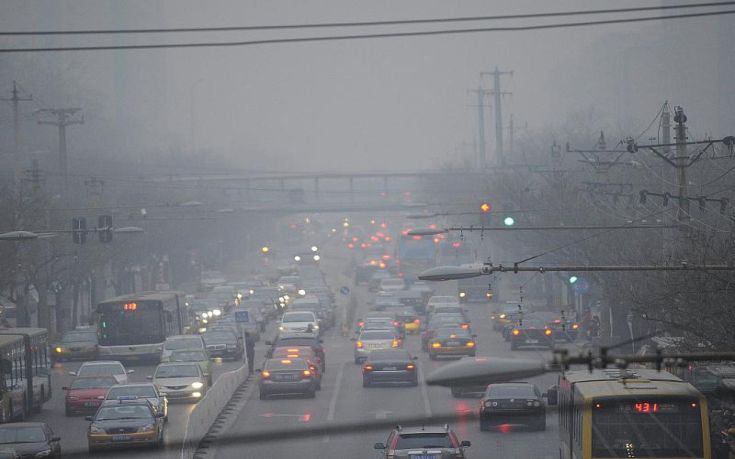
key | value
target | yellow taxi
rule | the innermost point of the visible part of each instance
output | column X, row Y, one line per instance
column 125, row 423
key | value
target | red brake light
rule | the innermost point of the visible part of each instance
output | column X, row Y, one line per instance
column 417, row 237
column 394, row 343
column 307, row 373
column 465, row 326
column 367, row 368
column 359, row 344
column 410, row 366
column 361, row 324
column 265, row 374
column 417, row 321
column 396, row 323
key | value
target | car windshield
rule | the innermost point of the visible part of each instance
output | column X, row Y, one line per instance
column 183, row 343
column 423, row 440
column 101, row 370
column 511, row 390
column 122, row 412
column 93, row 383
column 9, row 434
column 177, row 371
column 219, row 337
column 79, row 337
column 298, row 317
column 132, row 391
column 188, row 356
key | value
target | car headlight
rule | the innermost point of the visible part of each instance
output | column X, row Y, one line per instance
column 95, row 430
column 44, row 453
column 58, row 350
column 217, row 312
column 197, row 385
column 316, row 327
column 280, row 327
column 536, row 403
column 72, row 398
column 462, row 294
column 147, row 428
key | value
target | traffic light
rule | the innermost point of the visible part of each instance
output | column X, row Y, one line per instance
column 573, row 279
column 509, row 221
column 79, row 230
column 104, row 228
column 485, row 207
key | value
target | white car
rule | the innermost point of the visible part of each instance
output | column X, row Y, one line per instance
column 179, row 343
column 299, row 321
column 104, row 368
column 440, row 300
column 180, row 381
column 394, row 284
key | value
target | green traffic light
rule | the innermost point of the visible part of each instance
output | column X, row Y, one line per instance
column 509, row 221
column 573, row 279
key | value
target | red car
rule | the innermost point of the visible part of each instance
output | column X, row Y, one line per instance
column 87, row 393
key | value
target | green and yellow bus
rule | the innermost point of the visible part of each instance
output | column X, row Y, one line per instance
column 25, row 376
column 630, row 413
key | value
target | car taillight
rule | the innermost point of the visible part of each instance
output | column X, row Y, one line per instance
column 396, row 323
column 547, row 332
column 470, row 344
column 417, row 321
column 436, row 345
column 359, row 344
column 265, row 374
column 465, row 326
column 410, row 366
column 395, row 343
column 312, row 368
column 361, row 324
column 367, row 368
column 575, row 326
column 516, row 332
column 306, row 374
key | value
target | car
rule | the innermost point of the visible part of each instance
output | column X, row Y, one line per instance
column 376, row 278
column 146, row 391
column 564, row 329
column 423, row 442
column 531, row 332
column 440, row 300
column 199, row 357
column 76, row 344
column 364, row 271
column 452, row 342
column 512, row 403
column 385, row 300
column 384, row 324
column 179, row 381
column 325, row 314
column 125, row 424
column 85, row 393
column 408, row 319
column 303, row 352
column 438, row 322
column 179, row 342
column 393, row 284
column 30, row 439
column 223, row 344
column 299, row 321
column 104, row 368
column 299, row 339
column 412, row 298
column 507, row 313
column 372, row 340
column 286, row 377
column 389, row 366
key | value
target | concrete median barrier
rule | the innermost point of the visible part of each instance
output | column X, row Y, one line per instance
column 209, row 407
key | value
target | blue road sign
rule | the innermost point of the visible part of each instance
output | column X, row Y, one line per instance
column 242, row 316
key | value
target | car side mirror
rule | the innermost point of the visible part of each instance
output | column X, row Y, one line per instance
column 466, row 443
column 552, row 395
column 72, row 373
column 379, row 446
column 258, row 370
column 130, row 372
column 414, row 358
column 149, row 377
column 89, row 418
column 56, row 438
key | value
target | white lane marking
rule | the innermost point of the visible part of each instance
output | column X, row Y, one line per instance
column 424, row 393
column 335, row 394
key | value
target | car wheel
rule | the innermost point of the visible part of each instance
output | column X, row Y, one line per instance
column 91, row 449
column 365, row 383
column 513, row 346
column 311, row 394
column 67, row 411
column 357, row 360
column 415, row 382
column 262, row 396
column 319, row 385
column 432, row 356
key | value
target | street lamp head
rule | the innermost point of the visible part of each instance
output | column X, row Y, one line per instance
column 191, row 204
column 128, row 230
column 444, row 273
column 484, row 371
column 18, row 236
column 426, row 231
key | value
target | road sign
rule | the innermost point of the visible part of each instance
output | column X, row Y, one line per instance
column 582, row 285
column 242, row 316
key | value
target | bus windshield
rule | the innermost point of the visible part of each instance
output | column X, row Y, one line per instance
column 140, row 326
column 647, row 429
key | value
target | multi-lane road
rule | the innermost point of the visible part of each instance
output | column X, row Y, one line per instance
column 343, row 400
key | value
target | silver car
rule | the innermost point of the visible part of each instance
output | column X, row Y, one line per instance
column 180, row 381
column 371, row 340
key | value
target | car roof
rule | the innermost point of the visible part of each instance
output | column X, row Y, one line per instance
column 100, row 362
column 422, row 430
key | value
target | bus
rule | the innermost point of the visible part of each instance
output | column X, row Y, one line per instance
column 415, row 254
column 134, row 327
column 475, row 289
column 630, row 413
column 24, row 372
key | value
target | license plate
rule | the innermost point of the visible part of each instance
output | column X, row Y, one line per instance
column 532, row 341
column 121, row 438
column 452, row 343
column 286, row 378
column 424, row 456
column 390, row 368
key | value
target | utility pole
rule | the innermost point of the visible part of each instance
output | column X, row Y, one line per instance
column 666, row 128
column 497, row 93
column 16, row 99
column 62, row 117
column 682, row 160
column 481, row 150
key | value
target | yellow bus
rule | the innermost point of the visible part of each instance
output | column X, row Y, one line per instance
column 630, row 413
column 30, row 366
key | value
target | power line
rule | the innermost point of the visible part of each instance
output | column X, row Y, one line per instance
column 364, row 23
column 367, row 36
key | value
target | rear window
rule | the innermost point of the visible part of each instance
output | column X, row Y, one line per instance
column 452, row 333
column 447, row 309
column 183, row 343
column 376, row 356
column 423, row 440
column 377, row 335
column 285, row 364
column 520, row 390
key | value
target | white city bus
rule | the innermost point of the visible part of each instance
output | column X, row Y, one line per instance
column 134, row 327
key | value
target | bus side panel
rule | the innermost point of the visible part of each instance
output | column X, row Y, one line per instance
column 704, row 411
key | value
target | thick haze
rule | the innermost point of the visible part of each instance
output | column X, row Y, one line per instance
column 397, row 103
